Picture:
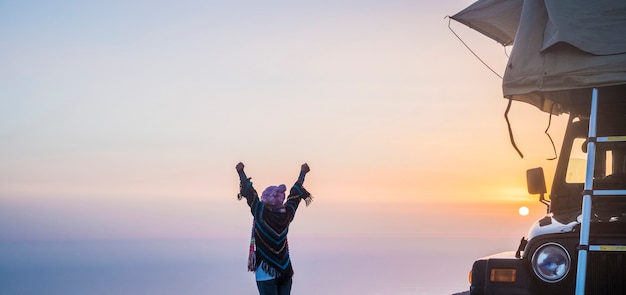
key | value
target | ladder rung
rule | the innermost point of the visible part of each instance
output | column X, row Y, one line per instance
column 614, row 192
column 611, row 248
column 611, row 139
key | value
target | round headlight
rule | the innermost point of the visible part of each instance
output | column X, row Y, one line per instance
column 551, row 262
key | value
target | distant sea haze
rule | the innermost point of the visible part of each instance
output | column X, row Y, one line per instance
column 392, row 266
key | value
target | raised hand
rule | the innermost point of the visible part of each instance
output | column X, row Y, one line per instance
column 305, row 168
column 239, row 167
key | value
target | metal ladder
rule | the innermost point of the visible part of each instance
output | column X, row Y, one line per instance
column 589, row 192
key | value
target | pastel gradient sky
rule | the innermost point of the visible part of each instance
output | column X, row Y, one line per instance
column 125, row 119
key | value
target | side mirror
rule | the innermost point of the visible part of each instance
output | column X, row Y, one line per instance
column 537, row 185
column 536, row 181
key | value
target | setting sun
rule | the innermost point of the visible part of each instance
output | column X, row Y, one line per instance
column 523, row 211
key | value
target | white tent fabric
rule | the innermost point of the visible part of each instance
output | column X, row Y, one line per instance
column 561, row 49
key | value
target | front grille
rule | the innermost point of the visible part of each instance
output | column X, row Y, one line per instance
column 606, row 273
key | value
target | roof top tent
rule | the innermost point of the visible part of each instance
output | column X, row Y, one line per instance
column 561, row 49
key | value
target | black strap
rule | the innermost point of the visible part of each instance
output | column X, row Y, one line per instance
column 548, row 134
column 506, row 117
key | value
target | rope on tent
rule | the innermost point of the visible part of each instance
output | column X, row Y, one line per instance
column 506, row 117
column 508, row 107
column 472, row 51
column 548, row 134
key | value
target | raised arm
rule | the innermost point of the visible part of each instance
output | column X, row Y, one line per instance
column 245, row 186
column 239, row 167
column 304, row 169
column 297, row 191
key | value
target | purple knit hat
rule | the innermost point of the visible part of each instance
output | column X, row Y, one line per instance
column 274, row 196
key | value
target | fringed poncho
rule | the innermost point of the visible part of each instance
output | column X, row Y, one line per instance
column 271, row 228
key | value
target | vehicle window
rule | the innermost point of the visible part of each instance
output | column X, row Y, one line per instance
column 609, row 161
column 577, row 163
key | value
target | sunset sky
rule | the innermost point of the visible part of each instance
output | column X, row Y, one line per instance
column 125, row 119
